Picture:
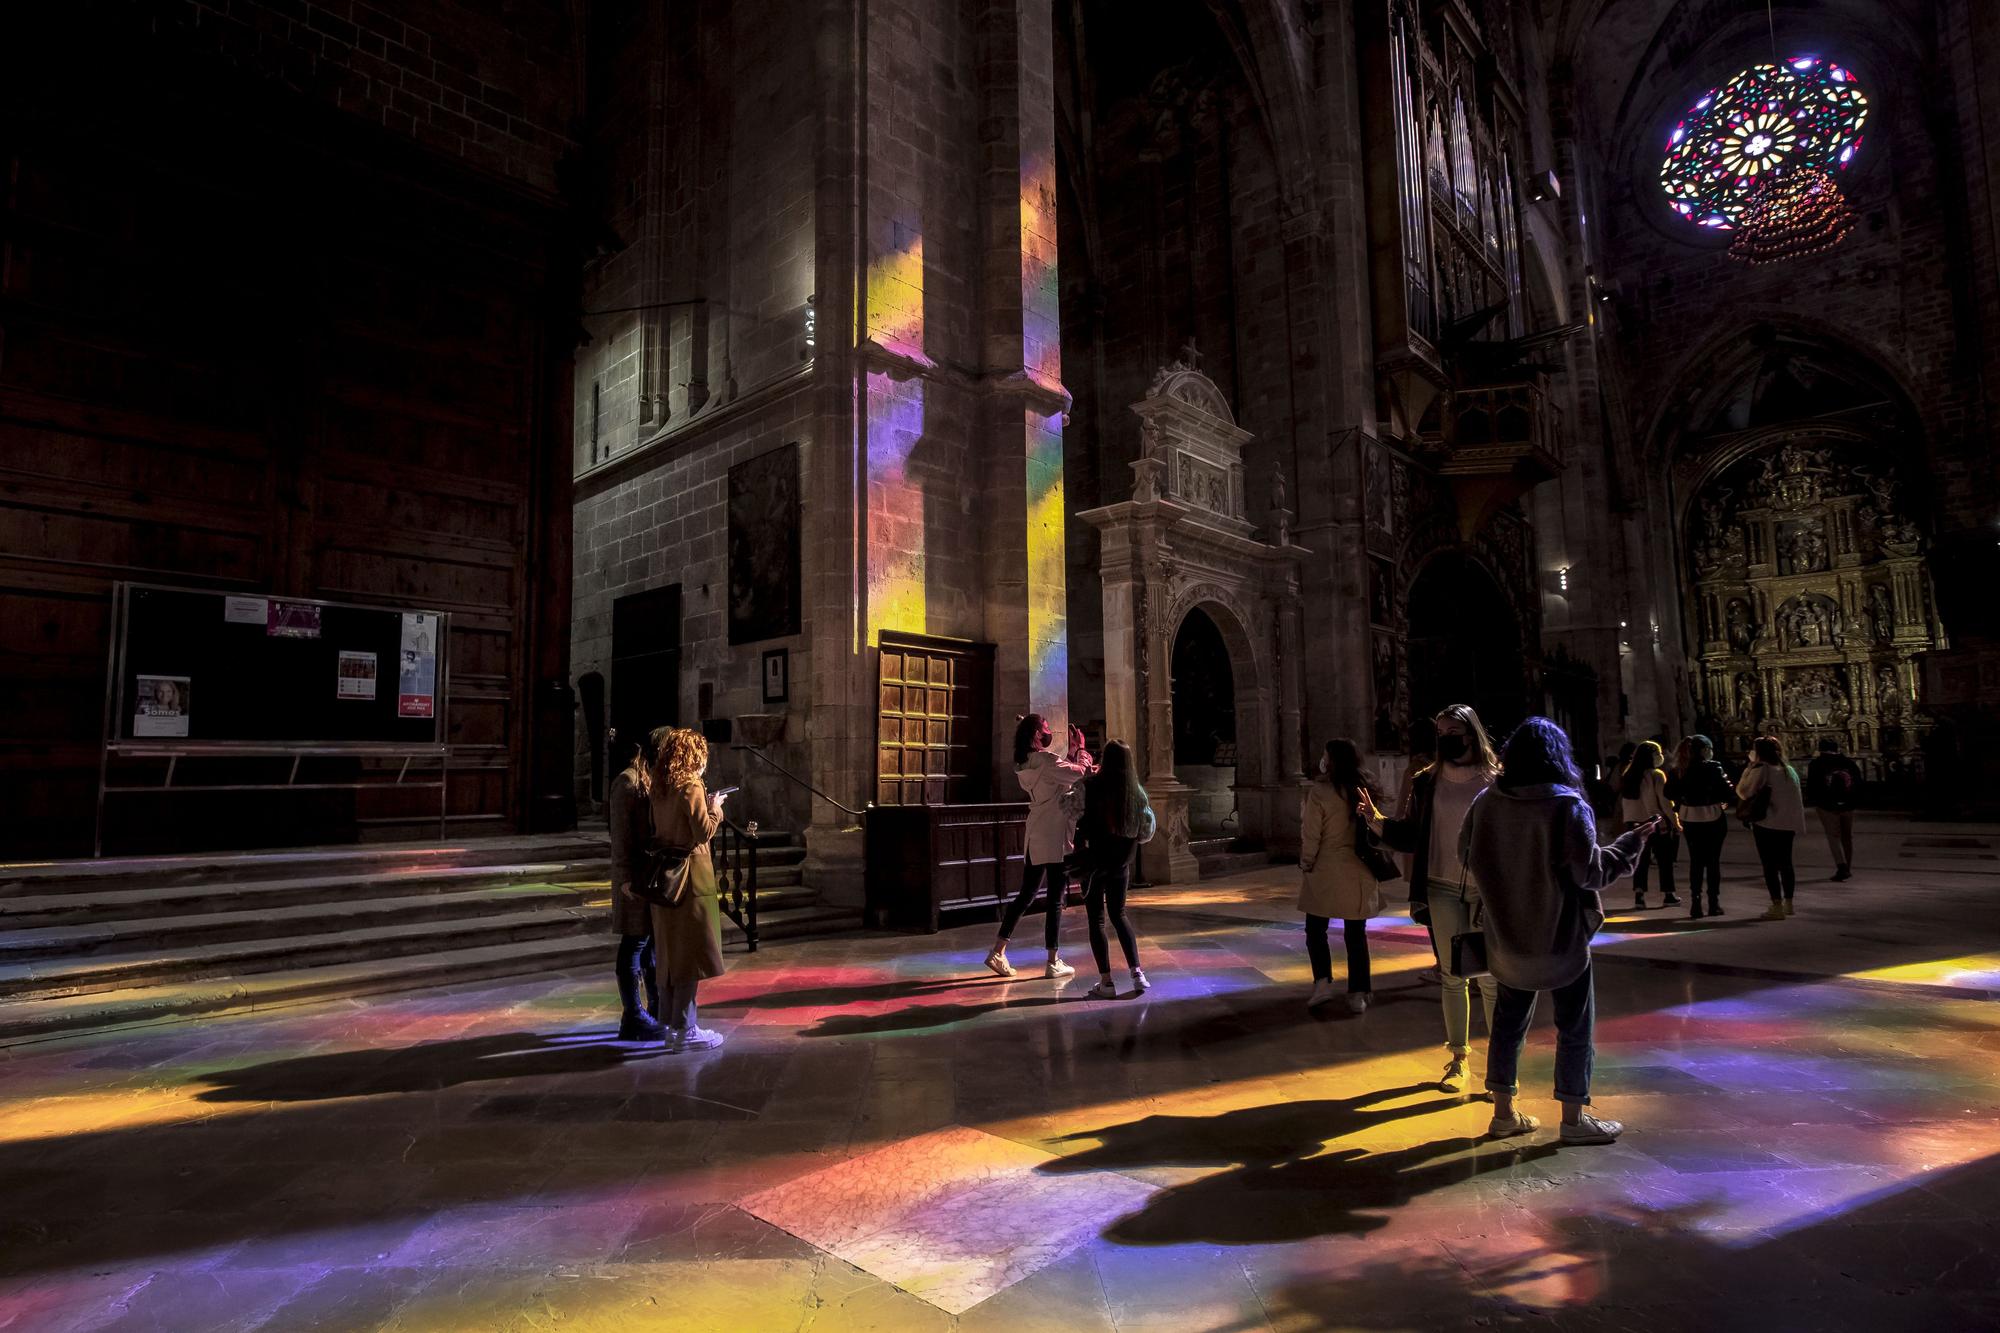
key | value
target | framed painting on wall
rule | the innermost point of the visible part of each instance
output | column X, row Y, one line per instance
column 764, row 583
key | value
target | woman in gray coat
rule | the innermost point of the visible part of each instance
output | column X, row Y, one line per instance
column 1532, row 841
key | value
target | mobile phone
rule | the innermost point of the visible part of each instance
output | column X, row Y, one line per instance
column 724, row 791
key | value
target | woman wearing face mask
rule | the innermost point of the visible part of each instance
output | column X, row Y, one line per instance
column 1443, row 892
column 1336, row 883
column 1052, row 815
column 1642, row 799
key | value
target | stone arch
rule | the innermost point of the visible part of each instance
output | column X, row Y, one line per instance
column 1254, row 692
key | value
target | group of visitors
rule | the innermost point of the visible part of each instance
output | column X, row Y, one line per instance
column 1504, row 869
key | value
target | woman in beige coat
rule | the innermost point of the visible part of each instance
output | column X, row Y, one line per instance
column 1336, row 883
column 688, row 934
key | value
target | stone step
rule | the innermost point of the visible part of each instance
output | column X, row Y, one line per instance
column 1214, row 865
column 36, row 1019
column 163, row 900
column 65, row 976
column 37, row 879
column 783, row 923
column 98, row 939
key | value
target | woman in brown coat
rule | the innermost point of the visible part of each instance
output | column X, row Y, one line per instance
column 689, row 934
column 630, row 812
column 1334, row 882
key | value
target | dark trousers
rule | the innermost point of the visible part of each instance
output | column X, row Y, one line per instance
column 636, row 966
column 1031, row 879
column 1774, row 850
column 1839, row 828
column 1105, row 893
column 1576, row 1018
column 1661, row 848
column 1705, row 857
column 1355, row 934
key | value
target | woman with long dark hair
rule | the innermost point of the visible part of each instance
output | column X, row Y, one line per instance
column 1048, row 781
column 1444, row 893
column 1532, row 841
column 1642, row 796
column 629, row 811
column 1702, row 794
column 1116, row 818
column 1334, row 882
column 1775, row 809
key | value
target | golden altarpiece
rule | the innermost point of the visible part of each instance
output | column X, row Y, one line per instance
column 1813, row 602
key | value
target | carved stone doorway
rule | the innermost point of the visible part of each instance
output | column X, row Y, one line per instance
column 1184, row 547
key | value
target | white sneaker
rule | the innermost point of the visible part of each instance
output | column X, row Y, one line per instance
column 1454, row 1076
column 1357, row 1002
column 1139, row 982
column 997, row 960
column 1103, row 990
column 1058, row 968
column 1512, row 1127
column 1590, row 1129
column 1322, row 992
column 696, row 1039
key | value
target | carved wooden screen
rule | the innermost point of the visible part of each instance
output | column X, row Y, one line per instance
column 934, row 724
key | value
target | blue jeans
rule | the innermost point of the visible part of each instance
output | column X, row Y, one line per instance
column 1576, row 1017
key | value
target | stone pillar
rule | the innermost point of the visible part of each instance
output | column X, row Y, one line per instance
column 1025, row 402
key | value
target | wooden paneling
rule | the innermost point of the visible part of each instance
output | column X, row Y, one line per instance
column 256, row 346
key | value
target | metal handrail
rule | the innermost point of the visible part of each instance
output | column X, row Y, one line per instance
column 735, row 857
column 844, row 809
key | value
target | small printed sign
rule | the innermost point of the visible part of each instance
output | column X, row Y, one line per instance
column 416, row 689
column 357, row 675
column 246, row 611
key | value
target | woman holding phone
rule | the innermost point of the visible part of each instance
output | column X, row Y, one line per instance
column 1052, row 813
column 689, row 934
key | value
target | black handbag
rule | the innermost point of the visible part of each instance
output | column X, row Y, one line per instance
column 1758, row 808
column 1368, row 850
column 665, row 882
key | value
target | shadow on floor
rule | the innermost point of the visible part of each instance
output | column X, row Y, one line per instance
column 425, row 1067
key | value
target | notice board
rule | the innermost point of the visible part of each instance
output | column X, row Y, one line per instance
column 193, row 665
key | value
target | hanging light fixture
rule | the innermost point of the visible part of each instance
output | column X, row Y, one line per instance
column 1799, row 212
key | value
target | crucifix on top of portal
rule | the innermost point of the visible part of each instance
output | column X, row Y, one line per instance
column 1189, row 356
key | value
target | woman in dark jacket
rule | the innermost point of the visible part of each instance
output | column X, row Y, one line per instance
column 629, row 809
column 1702, row 795
column 689, row 932
column 1532, row 841
column 1116, row 819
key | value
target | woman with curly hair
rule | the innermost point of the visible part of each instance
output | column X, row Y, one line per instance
column 629, row 808
column 689, row 933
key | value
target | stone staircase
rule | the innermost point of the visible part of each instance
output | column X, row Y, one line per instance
column 95, row 944
column 1227, row 856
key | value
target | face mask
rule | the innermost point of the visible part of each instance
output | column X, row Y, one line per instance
column 1451, row 749
column 1044, row 739
column 1325, row 764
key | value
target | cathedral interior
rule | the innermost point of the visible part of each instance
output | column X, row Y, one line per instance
column 844, row 380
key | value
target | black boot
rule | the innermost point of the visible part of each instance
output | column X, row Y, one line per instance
column 637, row 1024
column 1715, row 904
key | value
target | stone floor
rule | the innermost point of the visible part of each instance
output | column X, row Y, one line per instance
column 893, row 1139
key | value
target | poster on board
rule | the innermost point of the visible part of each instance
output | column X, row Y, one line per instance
column 292, row 620
column 357, row 675
column 160, row 707
column 416, row 689
column 246, row 611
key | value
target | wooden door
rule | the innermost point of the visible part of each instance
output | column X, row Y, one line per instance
column 934, row 724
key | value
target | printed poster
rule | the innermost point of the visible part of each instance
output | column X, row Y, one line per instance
column 160, row 707
column 357, row 675
column 416, row 688
column 292, row 620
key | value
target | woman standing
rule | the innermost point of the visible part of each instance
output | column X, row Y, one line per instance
column 1775, row 810
column 629, row 808
column 1443, row 892
column 1702, row 794
column 1051, row 822
column 689, row 932
column 1116, row 819
column 1532, row 841
column 1642, row 798
column 1335, row 882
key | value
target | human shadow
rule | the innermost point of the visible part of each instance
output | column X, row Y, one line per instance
column 425, row 1067
column 920, row 1018
column 1247, row 1136
column 881, row 990
column 1282, row 1185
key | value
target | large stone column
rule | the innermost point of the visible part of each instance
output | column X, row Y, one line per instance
column 1021, row 374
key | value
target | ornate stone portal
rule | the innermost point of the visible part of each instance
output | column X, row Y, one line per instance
column 1185, row 541
column 1813, row 600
